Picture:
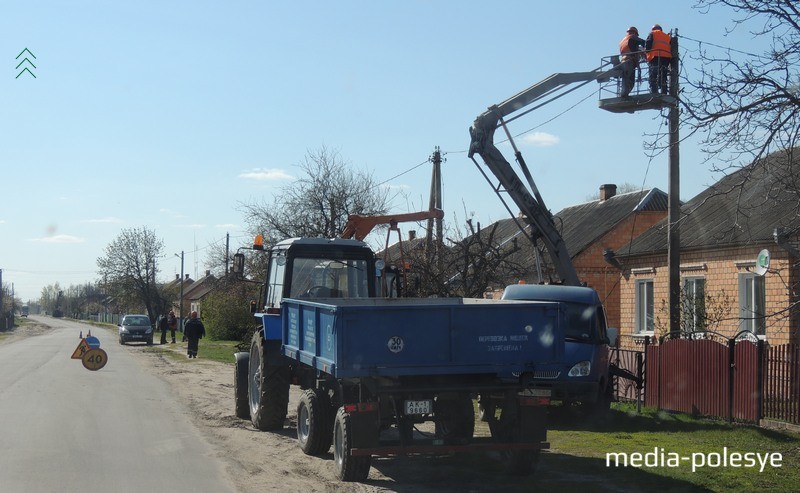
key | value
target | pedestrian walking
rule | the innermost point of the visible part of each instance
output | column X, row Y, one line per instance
column 163, row 326
column 172, row 322
column 194, row 331
column 630, row 49
column 659, row 59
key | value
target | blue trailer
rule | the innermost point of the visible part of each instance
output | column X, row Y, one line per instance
column 372, row 369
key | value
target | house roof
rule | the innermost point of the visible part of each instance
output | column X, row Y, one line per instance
column 176, row 283
column 200, row 287
column 583, row 224
column 580, row 226
column 743, row 208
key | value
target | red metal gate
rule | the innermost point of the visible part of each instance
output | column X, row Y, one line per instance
column 704, row 377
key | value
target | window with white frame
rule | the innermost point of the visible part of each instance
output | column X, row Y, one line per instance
column 693, row 304
column 752, row 303
column 644, row 306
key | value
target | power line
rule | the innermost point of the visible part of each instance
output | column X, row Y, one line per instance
column 727, row 48
column 401, row 174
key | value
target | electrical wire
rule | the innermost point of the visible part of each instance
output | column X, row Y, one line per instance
column 726, row 48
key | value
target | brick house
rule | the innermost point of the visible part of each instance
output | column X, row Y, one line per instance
column 194, row 294
column 589, row 229
column 722, row 232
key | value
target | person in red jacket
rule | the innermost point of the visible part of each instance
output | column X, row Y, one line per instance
column 659, row 58
column 630, row 49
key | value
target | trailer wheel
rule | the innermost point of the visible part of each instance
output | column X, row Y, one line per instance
column 348, row 467
column 507, row 429
column 268, row 389
column 455, row 418
column 241, row 369
column 314, row 422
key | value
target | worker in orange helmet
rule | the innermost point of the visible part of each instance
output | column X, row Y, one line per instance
column 630, row 49
column 659, row 58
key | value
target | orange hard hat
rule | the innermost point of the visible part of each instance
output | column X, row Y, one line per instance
column 633, row 30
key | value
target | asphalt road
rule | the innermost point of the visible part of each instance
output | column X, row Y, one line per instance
column 65, row 428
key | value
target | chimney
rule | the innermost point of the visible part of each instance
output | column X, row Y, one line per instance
column 187, row 277
column 208, row 273
column 607, row 191
column 177, row 277
column 412, row 235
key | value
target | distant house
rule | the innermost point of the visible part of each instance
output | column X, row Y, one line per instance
column 722, row 231
column 198, row 290
column 173, row 288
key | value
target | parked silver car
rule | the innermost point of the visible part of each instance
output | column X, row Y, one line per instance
column 135, row 328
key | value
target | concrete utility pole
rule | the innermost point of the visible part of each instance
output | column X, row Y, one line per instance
column 647, row 101
column 180, row 309
column 435, row 202
column 674, row 207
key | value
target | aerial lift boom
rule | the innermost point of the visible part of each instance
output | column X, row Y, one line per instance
column 529, row 201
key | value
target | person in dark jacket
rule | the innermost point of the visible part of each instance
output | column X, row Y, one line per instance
column 194, row 331
column 163, row 327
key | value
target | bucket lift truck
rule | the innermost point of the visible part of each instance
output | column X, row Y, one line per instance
column 585, row 375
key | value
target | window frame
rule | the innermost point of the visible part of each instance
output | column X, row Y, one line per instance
column 646, row 327
column 752, row 297
column 689, row 305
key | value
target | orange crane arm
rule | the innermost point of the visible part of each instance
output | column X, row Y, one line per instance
column 359, row 226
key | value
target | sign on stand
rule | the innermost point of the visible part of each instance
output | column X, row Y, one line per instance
column 94, row 359
column 90, row 354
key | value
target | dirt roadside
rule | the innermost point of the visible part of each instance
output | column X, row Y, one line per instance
column 272, row 461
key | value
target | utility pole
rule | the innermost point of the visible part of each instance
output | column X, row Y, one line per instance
column 674, row 206
column 227, row 251
column 646, row 101
column 180, row 308
column 435, row 202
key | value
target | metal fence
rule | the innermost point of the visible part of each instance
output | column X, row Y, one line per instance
column 740, row 378
column 782, row 383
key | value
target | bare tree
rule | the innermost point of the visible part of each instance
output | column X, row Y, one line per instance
column 317, row 204
column 745, row 105
column 473, row 261
column 129, row 267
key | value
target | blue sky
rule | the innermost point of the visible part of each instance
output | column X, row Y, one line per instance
column 172, row 114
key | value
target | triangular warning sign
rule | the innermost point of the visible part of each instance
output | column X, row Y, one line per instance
column 81, row 349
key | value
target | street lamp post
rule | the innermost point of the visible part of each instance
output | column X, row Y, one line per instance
column 180, row 308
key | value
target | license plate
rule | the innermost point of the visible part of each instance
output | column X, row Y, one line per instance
column 536, row 393
column 419, row 407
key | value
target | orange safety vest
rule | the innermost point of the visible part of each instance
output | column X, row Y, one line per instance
column 661, row 46
column 623, row 45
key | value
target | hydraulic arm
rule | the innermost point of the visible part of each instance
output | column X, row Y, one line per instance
column 527, row 198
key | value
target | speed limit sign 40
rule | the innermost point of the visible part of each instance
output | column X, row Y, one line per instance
column 94, row 359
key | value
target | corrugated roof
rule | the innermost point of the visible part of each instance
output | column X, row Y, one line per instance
column 580, row 225
column 743, row 208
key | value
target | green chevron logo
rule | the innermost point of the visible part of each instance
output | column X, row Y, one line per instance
column 26, row 63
